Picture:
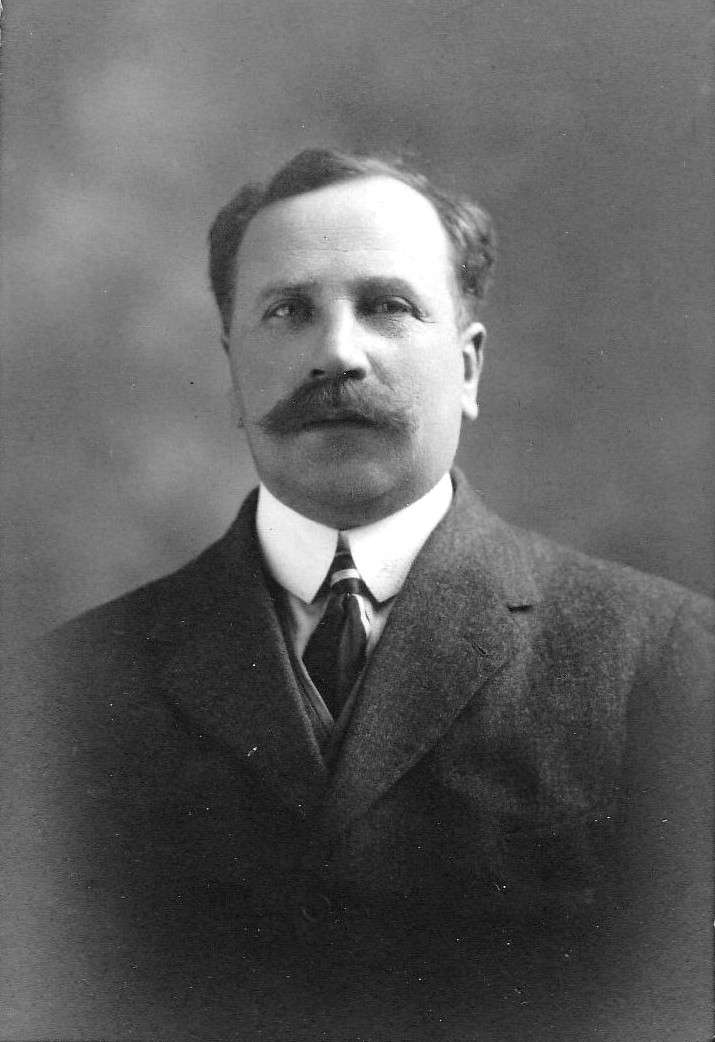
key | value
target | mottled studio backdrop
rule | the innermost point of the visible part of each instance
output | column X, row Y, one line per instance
column 582, row 126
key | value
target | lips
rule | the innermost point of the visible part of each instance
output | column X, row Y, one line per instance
column 337, row 419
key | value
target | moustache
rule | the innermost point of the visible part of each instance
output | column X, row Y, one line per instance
column 338, row 400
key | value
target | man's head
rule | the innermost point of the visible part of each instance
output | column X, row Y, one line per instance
column 348, row 290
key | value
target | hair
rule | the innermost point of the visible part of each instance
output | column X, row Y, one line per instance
column 467, row 225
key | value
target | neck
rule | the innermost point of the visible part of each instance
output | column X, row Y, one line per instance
column 349, row 510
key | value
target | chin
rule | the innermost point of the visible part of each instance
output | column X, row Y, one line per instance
column 354, row 480
column 348, row 493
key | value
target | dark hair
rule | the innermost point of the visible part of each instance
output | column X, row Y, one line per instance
column 466, row 224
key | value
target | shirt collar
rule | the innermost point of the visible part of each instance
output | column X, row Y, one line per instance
column 299, row 551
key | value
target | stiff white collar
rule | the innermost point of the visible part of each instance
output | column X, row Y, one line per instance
column 299, row 551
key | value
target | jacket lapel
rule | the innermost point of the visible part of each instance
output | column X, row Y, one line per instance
column 222, row 662
column 449, row 631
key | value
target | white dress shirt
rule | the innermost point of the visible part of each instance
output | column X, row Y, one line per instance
column 299, row 553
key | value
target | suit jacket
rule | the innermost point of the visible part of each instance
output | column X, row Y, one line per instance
column 511, row 844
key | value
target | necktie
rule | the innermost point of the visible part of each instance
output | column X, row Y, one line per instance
column 336, row 652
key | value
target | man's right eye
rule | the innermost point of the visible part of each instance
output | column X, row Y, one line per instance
column 288, row 309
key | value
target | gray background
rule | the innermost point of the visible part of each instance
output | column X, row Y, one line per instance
column 583, row 127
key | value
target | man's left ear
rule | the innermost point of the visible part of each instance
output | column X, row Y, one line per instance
column 473, row 338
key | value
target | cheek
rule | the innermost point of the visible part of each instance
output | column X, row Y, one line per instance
column 438, row 394
column 441, row 373
column 256, row 385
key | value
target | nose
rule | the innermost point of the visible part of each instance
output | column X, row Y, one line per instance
column 339, row 345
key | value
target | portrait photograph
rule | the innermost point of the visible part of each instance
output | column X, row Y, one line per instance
column 358, row 526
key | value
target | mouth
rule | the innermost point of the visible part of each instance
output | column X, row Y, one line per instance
column 337, row 419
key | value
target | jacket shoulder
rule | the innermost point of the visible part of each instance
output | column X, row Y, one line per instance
column 586, row 600
column 212, row 578
column 576, row 575
column 565, row 583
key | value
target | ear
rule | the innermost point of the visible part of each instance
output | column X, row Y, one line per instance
column 473, row 338
column 236, row 403
column 236, row 413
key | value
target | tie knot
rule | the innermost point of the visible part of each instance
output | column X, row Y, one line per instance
column 344, row 576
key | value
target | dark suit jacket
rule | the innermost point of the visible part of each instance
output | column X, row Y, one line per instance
column 512, row 843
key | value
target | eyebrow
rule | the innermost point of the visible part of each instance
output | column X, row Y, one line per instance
column 393, row 285
column 290, row 289
column 390, row 284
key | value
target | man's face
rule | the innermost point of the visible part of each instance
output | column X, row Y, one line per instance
column 351, row 364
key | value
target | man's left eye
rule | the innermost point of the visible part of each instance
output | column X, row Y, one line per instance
column 390, row 306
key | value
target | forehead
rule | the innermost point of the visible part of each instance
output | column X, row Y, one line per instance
column 356, row 229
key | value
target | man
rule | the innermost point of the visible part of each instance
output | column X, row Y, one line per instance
column 376, row 765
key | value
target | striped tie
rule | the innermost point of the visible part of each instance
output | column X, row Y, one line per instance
column 336, row 652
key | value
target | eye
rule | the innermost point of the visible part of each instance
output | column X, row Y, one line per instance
column 291, row 310
column 390, row 306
